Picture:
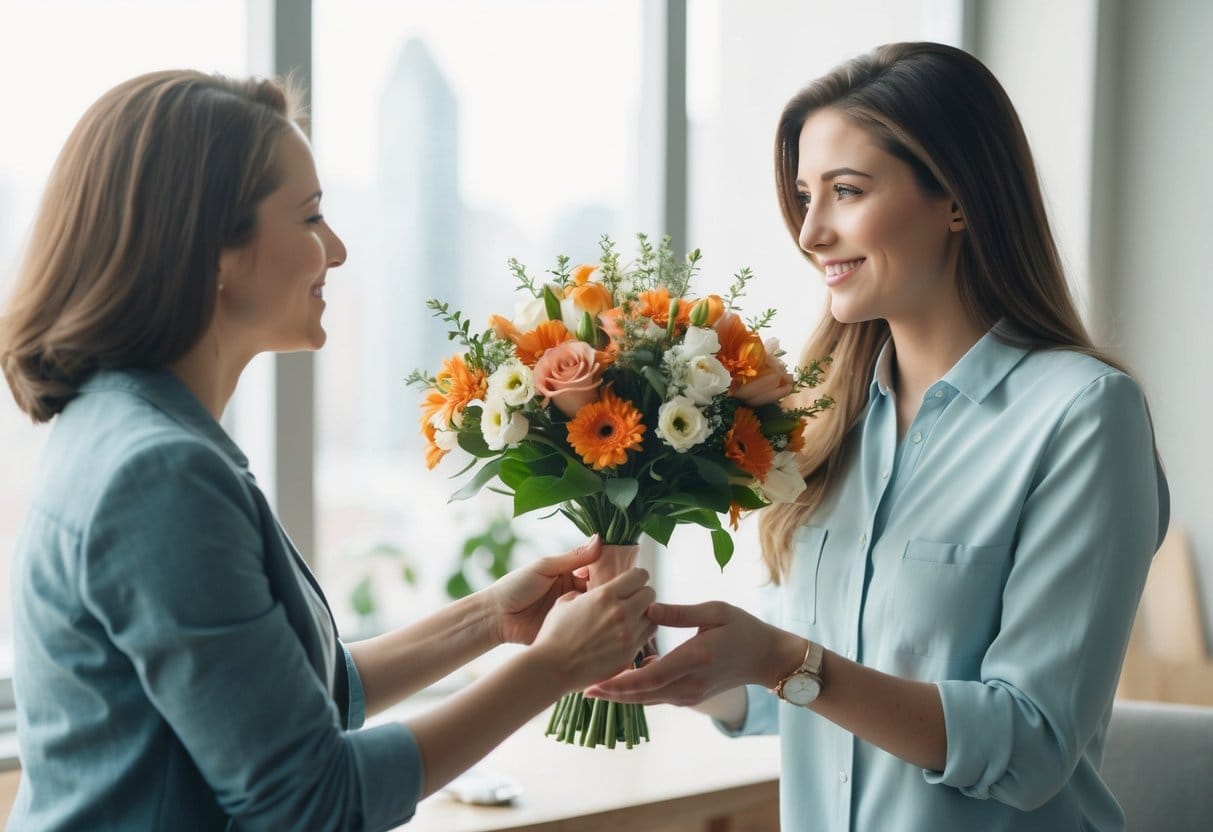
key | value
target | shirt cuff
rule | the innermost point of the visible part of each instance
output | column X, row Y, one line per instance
column 356, row 709
column 389, row 769
column 761, row 714
column 978, row 721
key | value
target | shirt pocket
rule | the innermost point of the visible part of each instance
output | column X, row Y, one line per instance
column 948, row 598
column 801, row 600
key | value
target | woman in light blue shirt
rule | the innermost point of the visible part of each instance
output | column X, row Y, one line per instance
column 982, row 504
column 176, row 664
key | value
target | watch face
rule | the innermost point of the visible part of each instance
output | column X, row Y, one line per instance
column 801, row 689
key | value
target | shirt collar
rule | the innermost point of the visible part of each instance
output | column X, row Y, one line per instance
column 169, row 394
column 978, row 371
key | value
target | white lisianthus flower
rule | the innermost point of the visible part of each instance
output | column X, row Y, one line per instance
column 500, row 427
column 705, row 378
column 650, row 331
column 699, row 340
column 570, row 315
column 681, row 425
column 446, row 440
column 513, row 383
column 529, row 314
column 784, row 482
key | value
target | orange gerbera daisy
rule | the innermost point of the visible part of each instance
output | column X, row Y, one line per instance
column 654, row 304
column 603, row 432
column 530, row 345
column 796, row 437
column 745, row 444
column 741, row 349
column 430, row 406
column 460, row 385
column 734, row 515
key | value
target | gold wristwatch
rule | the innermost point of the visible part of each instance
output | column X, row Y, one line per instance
column 803, row 685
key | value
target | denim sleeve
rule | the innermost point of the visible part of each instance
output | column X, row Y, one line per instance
column 761, row 714
column 1092, row 519
column 173, row 567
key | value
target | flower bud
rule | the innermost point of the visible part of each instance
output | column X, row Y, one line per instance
column 586, row 331
column 551, row 303
column 699, row 313
column 669, row 327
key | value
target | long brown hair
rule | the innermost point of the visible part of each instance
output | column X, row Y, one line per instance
column 943, row 113
column 161, row 173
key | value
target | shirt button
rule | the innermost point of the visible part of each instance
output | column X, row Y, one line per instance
column 884, row 475
column 863, row 540
column 939, row 394
column 842, row 777
column 851, row 655
column 917, row 437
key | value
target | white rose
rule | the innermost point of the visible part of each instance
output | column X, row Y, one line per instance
column 705, row 377
column 513, row 383
column 698, row 341
column 500, row 427
column 681, row 424
column 529, row 314
column 784, row 481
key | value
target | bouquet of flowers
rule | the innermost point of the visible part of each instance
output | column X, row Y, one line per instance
column 628, row 405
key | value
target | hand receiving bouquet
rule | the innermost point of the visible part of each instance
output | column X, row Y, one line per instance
column 631, row 407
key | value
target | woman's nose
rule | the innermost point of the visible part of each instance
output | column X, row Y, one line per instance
column 814, row 230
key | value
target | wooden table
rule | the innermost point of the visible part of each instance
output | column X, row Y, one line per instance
column 690, row 778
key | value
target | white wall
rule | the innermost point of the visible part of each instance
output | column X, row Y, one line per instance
column 1160, row 282
column 1117, row 100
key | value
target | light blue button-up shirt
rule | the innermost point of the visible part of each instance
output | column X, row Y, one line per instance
column 176, row 667
column 998, row 550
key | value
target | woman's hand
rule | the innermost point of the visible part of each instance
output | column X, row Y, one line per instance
column 731, row 649
column 591, row 636
column 518, row 602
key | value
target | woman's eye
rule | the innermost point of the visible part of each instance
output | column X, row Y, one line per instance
column 804, row 198
column 313, row 220
column 845, row 190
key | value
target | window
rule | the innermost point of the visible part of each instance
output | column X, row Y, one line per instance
column 450, row 136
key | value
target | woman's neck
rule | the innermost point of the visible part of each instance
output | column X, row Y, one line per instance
column 210, row 373
column 922, row 356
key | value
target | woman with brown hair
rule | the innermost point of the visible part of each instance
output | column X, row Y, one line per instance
column 176, row 664
column 961, row 574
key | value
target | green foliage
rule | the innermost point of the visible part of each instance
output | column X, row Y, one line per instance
column 489, row 554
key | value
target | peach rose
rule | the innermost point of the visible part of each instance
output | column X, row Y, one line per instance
column 569, row 376
column 772, row 382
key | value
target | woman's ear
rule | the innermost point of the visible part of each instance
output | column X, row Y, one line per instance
column 957, row 223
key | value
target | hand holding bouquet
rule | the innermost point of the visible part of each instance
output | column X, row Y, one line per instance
column 628, row 404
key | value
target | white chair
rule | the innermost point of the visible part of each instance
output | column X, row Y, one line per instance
column 1158, row 761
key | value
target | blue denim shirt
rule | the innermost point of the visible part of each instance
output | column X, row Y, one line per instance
column 999, row 550
column 169, row 669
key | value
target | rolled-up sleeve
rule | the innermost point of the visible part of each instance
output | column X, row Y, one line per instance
column 173, row 568
column 761, row 714
column 1091, row 521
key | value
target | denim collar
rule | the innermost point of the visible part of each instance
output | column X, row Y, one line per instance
column 165, row 391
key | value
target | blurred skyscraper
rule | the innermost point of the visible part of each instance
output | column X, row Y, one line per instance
column 420, row 223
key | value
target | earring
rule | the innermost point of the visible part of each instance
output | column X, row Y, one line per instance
column 220, row 287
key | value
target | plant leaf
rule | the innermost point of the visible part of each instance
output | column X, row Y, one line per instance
column 722, row 546
column 712, row 472
column 659, row 527
column 490, row 470
column 540, row 492
column 621, row 490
